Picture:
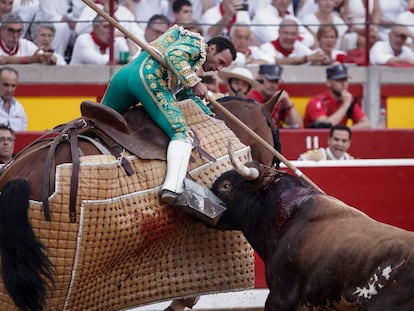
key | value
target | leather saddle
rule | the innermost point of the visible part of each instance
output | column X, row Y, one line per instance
column 134, row 130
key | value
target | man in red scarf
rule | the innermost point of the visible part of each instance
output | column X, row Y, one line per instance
column 93, row 48
column 287, row 49
column 13, row 48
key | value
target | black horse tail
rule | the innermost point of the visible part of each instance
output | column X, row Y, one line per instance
column 26, row 270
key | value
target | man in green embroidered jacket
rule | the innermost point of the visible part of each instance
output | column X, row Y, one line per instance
column 159, row 89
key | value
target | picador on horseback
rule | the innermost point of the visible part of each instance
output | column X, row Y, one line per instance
column 159, row 88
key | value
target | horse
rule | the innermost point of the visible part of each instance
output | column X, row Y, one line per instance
column 81, row 224
column 257, row 117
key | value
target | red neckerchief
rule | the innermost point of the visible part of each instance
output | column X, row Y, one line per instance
column 277, row 46
column 231, row 22
column 102, row 45
column 248, row 53
column 411, row 10
column 7, row 50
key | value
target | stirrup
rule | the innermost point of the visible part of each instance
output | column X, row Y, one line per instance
column 201, row 202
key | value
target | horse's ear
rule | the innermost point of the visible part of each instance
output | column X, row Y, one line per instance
column 271, row 103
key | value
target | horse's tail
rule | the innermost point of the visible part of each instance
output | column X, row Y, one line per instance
column 26, row 270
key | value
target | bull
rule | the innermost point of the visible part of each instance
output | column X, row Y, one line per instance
column 319, row 253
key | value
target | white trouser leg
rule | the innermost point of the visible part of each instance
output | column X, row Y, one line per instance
column 178, row 156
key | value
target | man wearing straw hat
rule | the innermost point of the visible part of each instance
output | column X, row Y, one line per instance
column 239, row 81
column 159, row 89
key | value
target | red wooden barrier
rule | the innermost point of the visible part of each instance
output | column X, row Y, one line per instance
column 366, row 144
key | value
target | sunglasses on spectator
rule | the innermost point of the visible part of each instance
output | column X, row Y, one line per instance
column 12, row 31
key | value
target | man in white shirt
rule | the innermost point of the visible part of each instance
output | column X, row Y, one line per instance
column 13, row 48
column 339, row 141
column 393, row 51
column 42, row 35
column 93, row 48
column 287, row 50
column 12, row 113
column 242, row 36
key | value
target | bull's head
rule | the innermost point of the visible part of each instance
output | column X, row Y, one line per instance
column 239, row 189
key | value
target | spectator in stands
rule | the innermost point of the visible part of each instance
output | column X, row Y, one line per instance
column 42, row 35
column 63, row 15
column 157, row 25
column 393, row 51
column 387, row 14
column 305, row 7
column 123, row 15
column 239, row 81
column 27, row 10
column 267, row 20
column 242, row 37
column 198, row 8
column 220, row 18
column 284, row 113
column 327, row 37
column 183, row 11
column 339, row 142
column 337, row 104
column 7, row 139
column 325, row 15
column 12, row 113
column 13, row 48
column 6, row 7
column 93, row 48
column 287, row 50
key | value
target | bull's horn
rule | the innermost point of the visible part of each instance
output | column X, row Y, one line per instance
column 250, row 173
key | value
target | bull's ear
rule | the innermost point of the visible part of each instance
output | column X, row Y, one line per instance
column 267, row 175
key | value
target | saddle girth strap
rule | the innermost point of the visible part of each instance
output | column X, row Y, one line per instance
column 65, row 134
column 74, row 180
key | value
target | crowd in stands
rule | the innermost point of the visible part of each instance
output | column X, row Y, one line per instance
column 294, row 32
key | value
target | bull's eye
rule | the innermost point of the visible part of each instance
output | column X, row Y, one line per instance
column 225, row 186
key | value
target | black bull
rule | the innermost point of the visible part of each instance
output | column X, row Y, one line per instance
column 319, row 253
